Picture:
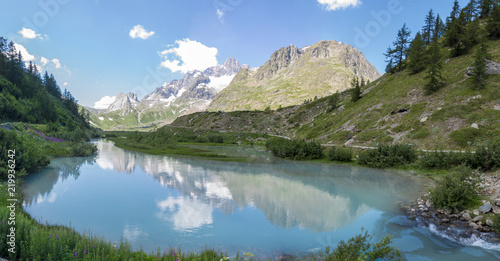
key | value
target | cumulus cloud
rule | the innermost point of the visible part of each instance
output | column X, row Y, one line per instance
column 189, row 56
column 56, row 63
column 26, row 56
column 332, row 5
column 65, row 83
column 104, row 102
column 28, row 33
column 139, row 32
column 44, row 61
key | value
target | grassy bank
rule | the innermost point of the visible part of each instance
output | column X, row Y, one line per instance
column 32, row 149
column 180, row 141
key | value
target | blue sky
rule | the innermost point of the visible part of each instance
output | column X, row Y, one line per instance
column 99, row 48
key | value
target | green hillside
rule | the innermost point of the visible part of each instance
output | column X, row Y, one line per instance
column 37, row 120
column 393, row 109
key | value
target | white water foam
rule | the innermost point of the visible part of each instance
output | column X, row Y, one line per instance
column 474, row 240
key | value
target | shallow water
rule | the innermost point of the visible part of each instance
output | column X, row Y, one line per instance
column 269, row 208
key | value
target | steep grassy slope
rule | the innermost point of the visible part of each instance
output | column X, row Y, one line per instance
column 394, row 109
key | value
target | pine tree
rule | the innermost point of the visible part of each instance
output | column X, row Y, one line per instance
column 434, row 78
column 480, row 66
column 453, row 15
column 333, row 102
column 428, row 28
column 485, row 7
column 470, row 11
column 456, row 37
column 400, row 50
column 390, row 61
column 416, row 55
column 356, row 89
column 439, row 29
column 493, row 26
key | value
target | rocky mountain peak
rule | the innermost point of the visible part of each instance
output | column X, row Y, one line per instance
column 280, row 59
column 124, row 102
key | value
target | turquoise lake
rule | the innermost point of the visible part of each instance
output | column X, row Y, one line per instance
column 270, row 207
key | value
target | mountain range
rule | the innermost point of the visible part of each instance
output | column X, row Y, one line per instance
column 192, row 93
column 290, row 77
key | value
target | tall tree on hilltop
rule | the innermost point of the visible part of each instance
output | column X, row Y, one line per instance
column 493, row 26
column 3, row 50
column 439, row 29
column 485, row 7
column 470, row 11
column 455, row 13
column 416, row 55
column 399, row 51
column 434, row 77
column 428, row 28
column 480, row 66
column 390, row 61
column 459, row 35
column 356, row 89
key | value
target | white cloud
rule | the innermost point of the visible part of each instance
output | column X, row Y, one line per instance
column 56, row 63
column 332, row 5
column 65, row 83
column 139, row 32
column 189, row 56
column 104, row 102
column 220, row 15
column 28, row 33
column 26, row 56
column 44, row 61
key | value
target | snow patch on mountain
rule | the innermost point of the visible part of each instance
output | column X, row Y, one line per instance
column 219, row 83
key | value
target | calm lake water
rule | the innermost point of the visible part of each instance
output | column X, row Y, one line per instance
column 269, row 208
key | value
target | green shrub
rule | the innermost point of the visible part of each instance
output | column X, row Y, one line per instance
column 387, row 156
column 340, row 154
column 360, row 248
column 294, row 149
column 443, row 160
column 485, row 157
column 456, row 190
column 213, row 138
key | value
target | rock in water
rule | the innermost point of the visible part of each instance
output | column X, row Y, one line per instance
column 485, row 208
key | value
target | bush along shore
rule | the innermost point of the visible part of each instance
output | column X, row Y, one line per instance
column 464, row 199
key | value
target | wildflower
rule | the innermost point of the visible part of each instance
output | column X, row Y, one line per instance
column 3, row 223
column 92, row 245
column 50, row 236
column 76, row 255
column 85, row 252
